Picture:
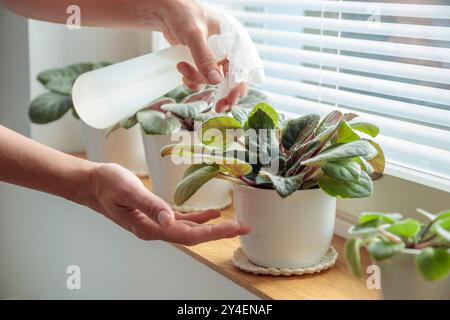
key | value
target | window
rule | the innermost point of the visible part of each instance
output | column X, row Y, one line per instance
column 389, row 62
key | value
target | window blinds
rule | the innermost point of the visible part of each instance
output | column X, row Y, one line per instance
column 387, row 61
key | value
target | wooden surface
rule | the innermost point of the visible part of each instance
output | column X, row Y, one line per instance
column 335, row 283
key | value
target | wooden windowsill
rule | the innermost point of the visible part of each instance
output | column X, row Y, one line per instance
column 336, row 283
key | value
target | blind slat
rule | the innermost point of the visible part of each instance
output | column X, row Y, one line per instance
column 356, row 45
column 357, row 101
column 383, row 8
column 393, row 88
column 436, row 138
column 381, row 67
column 356, row 26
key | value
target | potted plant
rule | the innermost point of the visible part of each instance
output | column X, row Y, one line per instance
column 175, row 116
column 286, row 176
column 124, row 148
column 414, row 257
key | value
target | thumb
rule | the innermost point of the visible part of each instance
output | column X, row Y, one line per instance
column 154, row 207
column 204, row 58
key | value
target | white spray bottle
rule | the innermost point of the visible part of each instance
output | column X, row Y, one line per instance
column 105, row 96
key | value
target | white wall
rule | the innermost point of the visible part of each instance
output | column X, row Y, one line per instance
column 52, row 45
column 14, row 84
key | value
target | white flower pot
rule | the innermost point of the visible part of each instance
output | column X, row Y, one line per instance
column 293, row 232
column 166, row 175
column 400, row 279
column 122, row 146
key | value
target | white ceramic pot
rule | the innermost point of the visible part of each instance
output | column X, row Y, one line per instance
column 293, row 232
column 166, row 175
column 400, row 279
column 122, row 146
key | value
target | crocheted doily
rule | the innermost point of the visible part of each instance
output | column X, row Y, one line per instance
column 188, row 208
column 241, row 261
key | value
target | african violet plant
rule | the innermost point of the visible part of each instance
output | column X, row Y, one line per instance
column 385, row 235
column 181, row 108
column 334, row 153
column 57, row 101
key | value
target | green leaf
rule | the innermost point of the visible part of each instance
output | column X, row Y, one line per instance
column 185, row 149
column 365, row 165
column 352, row 256
column 282, row 120
column 434, row 263
column 54, row 74
column 347, row 170
column 240, row 114
column 262, row 116
column 407, row 228
column 366, row 227
column 195, row 177
column 346, row 134
column 359, row 148
column 80, row 68
column 330, row 119
column 99, row 65
column 378, row 163
column 387, row 217
column 75, row 114
column 252, row 98
column 186, row 110
column 442, row 228
column 285, row 186
column 179, row 93
column 155, row 122
column 361, row 188
column 298, row 130
column 383, row 249
column 61, row 85
column 49, row 107
column 219, row 131
column 129, row 122
column 367, row 128
column 443, row 215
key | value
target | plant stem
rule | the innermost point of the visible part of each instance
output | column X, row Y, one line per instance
column 390, row 236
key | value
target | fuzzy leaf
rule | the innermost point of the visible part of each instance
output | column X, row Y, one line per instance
column 298, row 130
column 262, row 116
column 346, row 134
column 383, row 249
column 434, row 263
column 387, row 217
column 46, row 76
column 179, row 93
column 442, row 228
column 195, row 177
column 49, row 107
column 366, row 227
column 367, row 128
column 252, row 98
column 378, row 163
column 347, row 170
column 352, row 256
column 214, row 131
column 361, row 188
column 206, row 95
column 359, row 148
column 154, row 122
column 330, row 119
column 284, row 186
column 407, row 228
column 186, row 110
column 240, row 114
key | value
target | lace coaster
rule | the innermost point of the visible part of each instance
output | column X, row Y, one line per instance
column 241, row 261
column 188, row 208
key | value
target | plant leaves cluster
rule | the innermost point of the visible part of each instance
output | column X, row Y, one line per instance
column 333, row 153
column 57, row 101
column 387, row 234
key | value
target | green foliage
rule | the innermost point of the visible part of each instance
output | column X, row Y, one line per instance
column 53, row 104
column 303, row 153
column 387, row 234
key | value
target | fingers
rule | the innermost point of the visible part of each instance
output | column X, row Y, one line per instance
column 203, row 57
column 187, row 234
column 201, row 217
column 190, row 73
column 152, row 206
column 225, row 104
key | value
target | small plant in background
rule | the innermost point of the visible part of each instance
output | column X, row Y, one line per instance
column 179, row 109
column 57, row 101
column 384, row 235
column 333, row 153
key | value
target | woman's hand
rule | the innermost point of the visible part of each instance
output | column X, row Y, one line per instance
column 120, row 196
column 189, row 23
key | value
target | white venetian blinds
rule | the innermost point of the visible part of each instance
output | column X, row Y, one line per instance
column 387, row 61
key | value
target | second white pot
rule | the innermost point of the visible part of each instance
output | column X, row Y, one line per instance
column 294, row 232
column 400, row 279
column 165, row 176
column 122, row 146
